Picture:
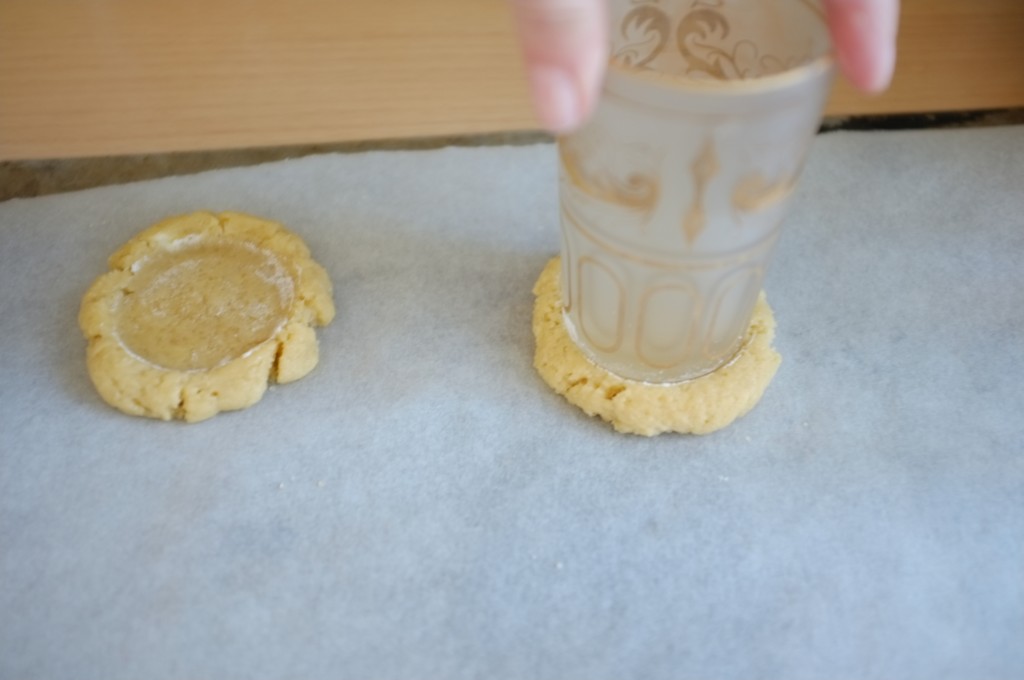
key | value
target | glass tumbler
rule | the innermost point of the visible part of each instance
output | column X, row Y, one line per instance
column 673, row 195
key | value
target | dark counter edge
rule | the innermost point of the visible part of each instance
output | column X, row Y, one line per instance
column 26, row 179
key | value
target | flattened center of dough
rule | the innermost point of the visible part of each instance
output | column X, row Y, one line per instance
column 202, row 305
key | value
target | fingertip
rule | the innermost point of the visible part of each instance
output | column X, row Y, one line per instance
column 870, row 75
column 557, row 99
column 565, row 49
column 879, row 75
column 864, row 34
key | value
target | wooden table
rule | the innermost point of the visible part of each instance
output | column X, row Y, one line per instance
column 81, row 78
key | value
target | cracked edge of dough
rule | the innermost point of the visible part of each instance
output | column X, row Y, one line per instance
column 138, row 387
column 698, row 406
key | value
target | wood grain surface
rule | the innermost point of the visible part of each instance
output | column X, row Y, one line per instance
column 85, row 78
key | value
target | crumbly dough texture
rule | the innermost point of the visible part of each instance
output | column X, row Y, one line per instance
column 698, row 406
column 199, row 312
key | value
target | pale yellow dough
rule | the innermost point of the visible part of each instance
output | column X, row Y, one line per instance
column 697, row 406
column 200, row 312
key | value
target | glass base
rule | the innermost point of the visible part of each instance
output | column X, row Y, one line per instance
column 649, row 375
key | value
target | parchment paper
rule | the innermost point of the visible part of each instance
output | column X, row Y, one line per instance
column 422, row 506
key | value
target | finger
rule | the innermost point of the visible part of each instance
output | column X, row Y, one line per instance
column 864, row 33
column 565, row 47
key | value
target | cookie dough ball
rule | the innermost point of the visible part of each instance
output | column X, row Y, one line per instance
column 698, row 406
column 200, row 312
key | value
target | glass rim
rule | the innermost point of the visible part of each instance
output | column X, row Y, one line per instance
column 818, row 67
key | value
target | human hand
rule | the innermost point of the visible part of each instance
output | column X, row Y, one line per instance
column 565, row 44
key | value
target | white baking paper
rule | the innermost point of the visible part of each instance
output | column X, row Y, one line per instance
column 422, row 506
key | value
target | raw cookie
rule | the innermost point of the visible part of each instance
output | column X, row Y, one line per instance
column 199, row 312
column 697, row 406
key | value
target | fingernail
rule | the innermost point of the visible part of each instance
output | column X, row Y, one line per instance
column 556, row 98
column 885, row 65
column 876, row 37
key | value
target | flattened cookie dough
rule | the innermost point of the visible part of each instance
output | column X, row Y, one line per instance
column 698, row 406
column 200, row 312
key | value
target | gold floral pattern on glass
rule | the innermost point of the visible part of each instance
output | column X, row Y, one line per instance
column 710, row 42
column 755, row 193
column 704, row 169
column 645, row 31
column 635, row 190
column 573, row 228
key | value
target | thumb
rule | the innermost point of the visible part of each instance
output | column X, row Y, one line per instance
column 864, row 33
column 565, row 46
